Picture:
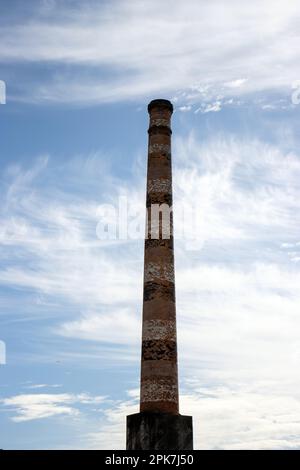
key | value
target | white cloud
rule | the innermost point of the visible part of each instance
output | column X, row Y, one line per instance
column 224, row 417
column 197, row 51
column 243, row 417
column 211, row 108
column 245, row 191
column 57, row 231
column 185, row 108
column 38, row 406
column 36, row 386
column 102, row 327
column 236, row 83
column 237, row 294
column 246, row 194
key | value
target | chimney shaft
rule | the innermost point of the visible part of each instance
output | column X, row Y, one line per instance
column 158, row 425
column 159, row 377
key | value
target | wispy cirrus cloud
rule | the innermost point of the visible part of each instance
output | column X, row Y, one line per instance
column 237, row 290
column 197, row 52
column 245, row 194
column 37, row 386
column 29, row 407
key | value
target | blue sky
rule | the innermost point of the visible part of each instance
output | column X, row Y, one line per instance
column 79, row 76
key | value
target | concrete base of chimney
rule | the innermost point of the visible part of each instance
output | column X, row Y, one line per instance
column 159, row 431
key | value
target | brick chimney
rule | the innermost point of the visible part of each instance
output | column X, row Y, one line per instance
column 159, row 426
column 159, row 377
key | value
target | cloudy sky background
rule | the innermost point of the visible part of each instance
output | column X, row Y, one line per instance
column 79, row 76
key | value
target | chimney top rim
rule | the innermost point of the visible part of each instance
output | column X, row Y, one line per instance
column 160, row 103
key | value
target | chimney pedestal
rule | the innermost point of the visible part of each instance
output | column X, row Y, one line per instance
column 159, row 431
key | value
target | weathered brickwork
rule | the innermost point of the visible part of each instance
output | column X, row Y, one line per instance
column 159, row 271
column 159, row 330
column 159, row 185
column 159, row 389
column 158, row 425
column 160, row 148
column 154, row 243
column 159, row 377
column 159, row 349
column 159, row 198
column 159, row 291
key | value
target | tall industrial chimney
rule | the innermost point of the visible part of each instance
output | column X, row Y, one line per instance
column 159, row 426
